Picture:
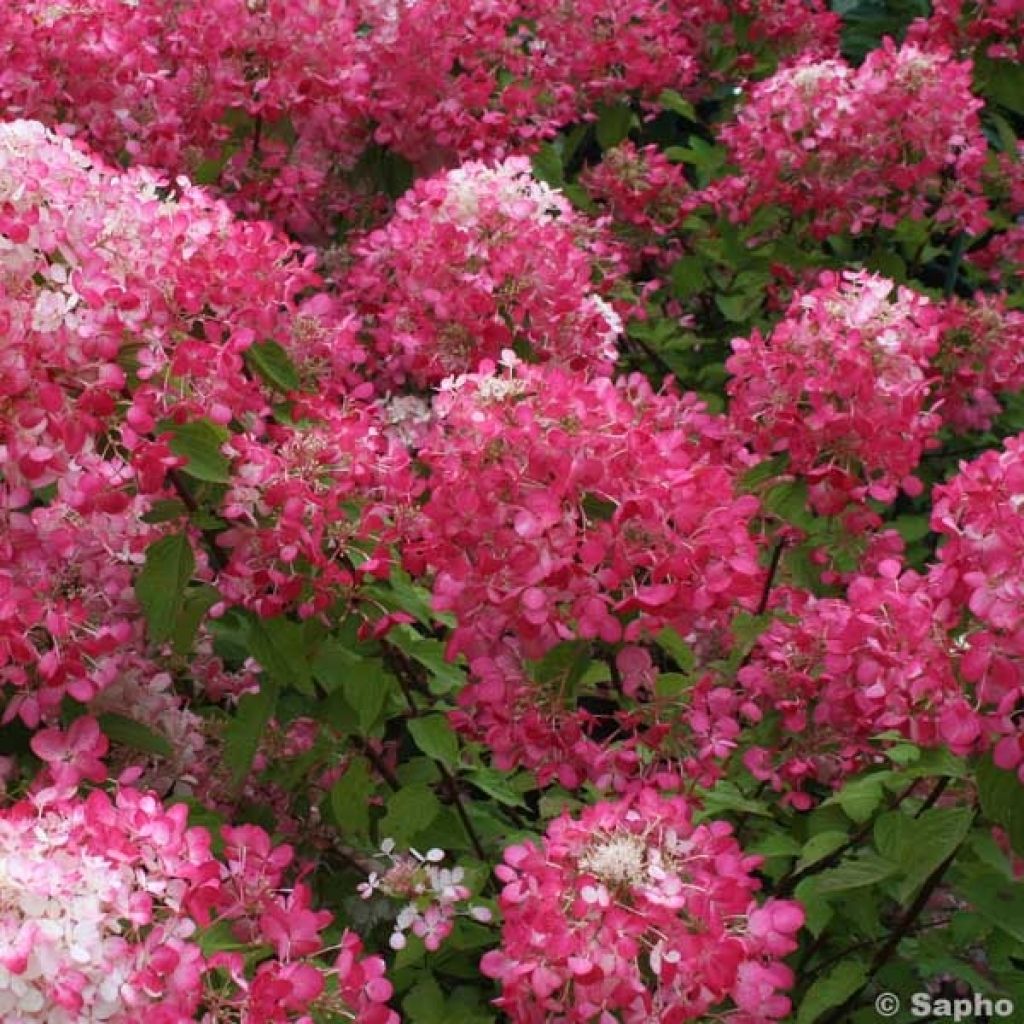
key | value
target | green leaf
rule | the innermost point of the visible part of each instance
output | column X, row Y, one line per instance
column 818, row 847
column 998, row 900
column 198, row 601
column 777, row 844
column 671, row 100
column 1007, row 137
column 766, row 470
column 410, row 811
column 1003, row 81
column 129, row 733
column 219, row 938
column 672, row 684
column 434, row 736
column 246, row 727
column 445, row 676
column 279, row 646
column 496, row 785
column 1002, row 800
column 425, row 1004
column 688, row 276
column 860, row 798
column 833, row 989
column 160, row 586
column 200, row 442
column 563, row 665
column 332, row 664
column 547, row 166
column 919, row 845
column 739, row 308
column 166, row 510
column 788, row 501
column 856, row 873
column 365, row 689
column 672, row 643
column 269, row 361
column 727, row 797
column 613, row 125
column 350, row 798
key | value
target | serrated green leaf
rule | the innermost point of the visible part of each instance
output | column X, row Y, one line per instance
column 999, row 900
column 671, row 100
column 765, row 470
column 434, row 736
column 547, row 166
column 245, row 728
column 739, row 308
column 672, row 643
column 860, row 798
column 777, row 844
column 366, row 689
column 198, row 601
column 410, row 811
column 350, row 798
column 220, row 938
column 911, row 528
column 129, row 733
column 856, row 873
column 496, row 785
column 613, row 125
column 727, row 797
column 166, row 510
column 1001, row 795
column 269, row 361
column 819, row 846
column 833, row 989
column 425, row 1003
column 789, row 501
column 200, row 442
column 1002, row 81
column 445, row 676
column 279, row 646
column 672, row 684
column 160, row 586
column 563, row 665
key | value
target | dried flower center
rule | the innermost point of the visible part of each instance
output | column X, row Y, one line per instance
column 617, row 860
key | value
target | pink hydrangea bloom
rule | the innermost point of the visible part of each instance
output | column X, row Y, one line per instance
column 851, row 148
column 477, row 260
column 633, row 912
column 843, row 385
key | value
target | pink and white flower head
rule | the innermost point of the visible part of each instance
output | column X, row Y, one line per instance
column 476, row 260
column 632, row 912
column 843, row 385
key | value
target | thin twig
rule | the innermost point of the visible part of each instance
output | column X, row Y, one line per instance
column 451, row 784
column 378, row 763
column 773, row 568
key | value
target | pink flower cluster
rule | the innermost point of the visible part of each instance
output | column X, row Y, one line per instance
column 994, row 27
column 477, row 260
column 833, row 673
column 981, row 355
column 560, row 508
column 843, row 386
column 646, row 195
column 68, row 614
column 263, row 97
column 104, row 902
column 634, row 913
column 978, row 513
column 851, row 148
